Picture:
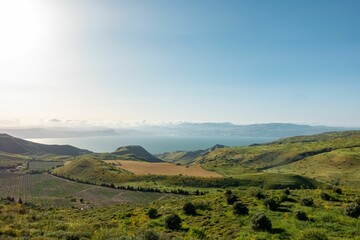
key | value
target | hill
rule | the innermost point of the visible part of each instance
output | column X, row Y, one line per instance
column 88, row 168
column 14, row 145
column 135, row 152
column 337, row 152
column 185, row 157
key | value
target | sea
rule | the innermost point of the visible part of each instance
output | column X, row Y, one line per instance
column 154, row 145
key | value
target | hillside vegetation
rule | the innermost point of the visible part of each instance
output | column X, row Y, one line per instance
column 14, row 145
column 135, row 152
column 332, row 157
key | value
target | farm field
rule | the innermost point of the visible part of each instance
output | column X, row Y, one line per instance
column 43, row 165
column 50, row 191
column 144, row 168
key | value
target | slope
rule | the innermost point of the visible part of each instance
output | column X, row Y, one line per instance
column 135, row 152
column 14, row 145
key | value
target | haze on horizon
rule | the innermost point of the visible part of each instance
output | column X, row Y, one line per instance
column 201, row 61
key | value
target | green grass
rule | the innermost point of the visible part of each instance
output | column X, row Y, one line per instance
column 214, row 219
column 43, row 165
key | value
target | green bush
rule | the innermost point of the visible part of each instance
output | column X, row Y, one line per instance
column 173, row 222
column 312, row 234
column 271, row 204
column 197, row 234
column 307, row 202
column 152, row 213
column 231, row 199
column 302, row 216
column 260, row 222
column 189, row 209
column 352, row 210
column 287, row 191
column 325, row 196
column 337, row 190
column 256, row 192
column 151, row 235
column 240, row 209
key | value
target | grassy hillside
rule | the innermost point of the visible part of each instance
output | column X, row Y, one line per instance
column 14, row 145
column 135, row 153
column 329, row 156
column 185, row 157
column 213, row 218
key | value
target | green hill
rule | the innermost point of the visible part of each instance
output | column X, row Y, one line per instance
column 331, row 157
column 14, row 145
column 88, row 168
column 186, row 157
column 135, row 152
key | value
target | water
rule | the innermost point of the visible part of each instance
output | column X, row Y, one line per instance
column 158, row 144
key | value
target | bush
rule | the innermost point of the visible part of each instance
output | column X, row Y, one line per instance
column 325, row 196
column 287, row 191
column 260, row 222
column 302, row 216
column 189, row 209
column 173, row 222
column 240, row 209
column 256, row 192
column 151, row 235
column 197, row 234
column 352, row 210
column 152, row 213
column 313, row 234
column 271, row 204
column 337, row 190
column 201, row 204
column 307, row 202
column 228, row 192
column 231, row 199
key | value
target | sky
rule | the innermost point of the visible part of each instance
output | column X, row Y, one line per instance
column 180, row 60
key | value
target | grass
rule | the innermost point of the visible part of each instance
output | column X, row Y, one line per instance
column 214, row 219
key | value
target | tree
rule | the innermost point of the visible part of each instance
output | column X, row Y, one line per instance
column 231, row 199
column 20, row 200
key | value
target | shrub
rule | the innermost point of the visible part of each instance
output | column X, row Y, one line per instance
column 287, row 191
column 228, row 192
column 260, row 222
column 231, row 199
column 173, row 222
column 240, row 209
column 313, row 234
column 325, row 196
column 337, row 190
column 352, row 210
column 256, row 192
column 201, row 204
column 271, row 204
column 152, row 213
column 307, row 202
column 197, row 234
column 302, row 216
column 189, row 209
column 151, row 235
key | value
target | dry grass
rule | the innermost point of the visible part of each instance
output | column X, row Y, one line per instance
column 144, row 168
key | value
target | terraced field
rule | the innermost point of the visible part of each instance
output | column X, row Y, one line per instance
column 50, row 191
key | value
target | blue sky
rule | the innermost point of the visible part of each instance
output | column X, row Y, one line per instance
column 237, row 61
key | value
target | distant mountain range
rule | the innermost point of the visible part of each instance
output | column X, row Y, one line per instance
column 273, row 130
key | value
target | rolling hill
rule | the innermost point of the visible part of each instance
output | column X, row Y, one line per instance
column 332, row 157
column 135, row 152
column 9, row 144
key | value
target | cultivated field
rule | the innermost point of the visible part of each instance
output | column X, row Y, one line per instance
column 43, row 165
column 48, row 190
column 144, row 168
